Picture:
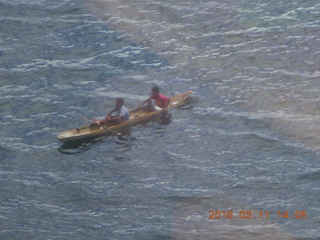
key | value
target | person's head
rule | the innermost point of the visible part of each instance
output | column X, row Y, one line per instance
column 119, row 102
column 155, row 91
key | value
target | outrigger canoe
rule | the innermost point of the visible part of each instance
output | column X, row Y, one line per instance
column 89, row 131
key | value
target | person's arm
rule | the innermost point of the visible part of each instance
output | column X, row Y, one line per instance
column 106, row 118
column 118, row 117
column 109, row 113
column 144, row 102
column 166, row 104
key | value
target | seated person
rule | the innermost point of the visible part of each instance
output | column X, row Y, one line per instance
column 161, row 101
column 122, row 114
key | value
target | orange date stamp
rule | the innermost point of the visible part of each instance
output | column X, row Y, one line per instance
column 257, row 214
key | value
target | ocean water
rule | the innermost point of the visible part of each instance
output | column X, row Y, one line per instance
column 239, row 161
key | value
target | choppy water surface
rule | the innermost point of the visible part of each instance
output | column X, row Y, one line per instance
column 247, row 141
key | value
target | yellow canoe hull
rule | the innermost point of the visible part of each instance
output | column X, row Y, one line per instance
column 136, row 116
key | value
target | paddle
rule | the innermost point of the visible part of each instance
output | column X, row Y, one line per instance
column 105, row 127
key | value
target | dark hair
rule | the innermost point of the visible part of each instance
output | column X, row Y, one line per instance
column 120, row 100
column 156, row 89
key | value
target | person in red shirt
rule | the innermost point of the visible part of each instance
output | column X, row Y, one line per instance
column 161, row 101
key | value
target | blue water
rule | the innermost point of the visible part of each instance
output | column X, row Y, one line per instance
column 248, row 140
